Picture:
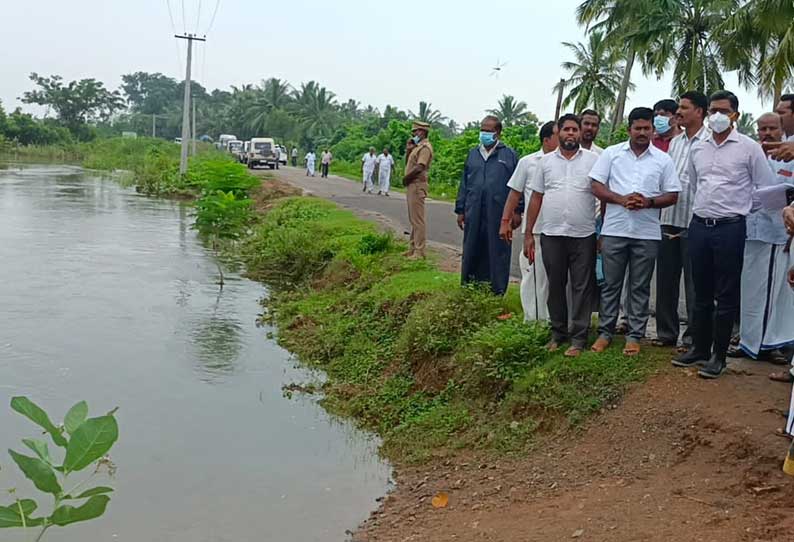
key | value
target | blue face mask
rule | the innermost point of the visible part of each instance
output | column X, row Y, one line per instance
column 416, row 139
column 487, row 138
column 661, row 124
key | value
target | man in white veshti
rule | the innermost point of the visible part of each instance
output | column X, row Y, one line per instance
column 368, row 169
column 767, row 306
column 310, row 159
column 385, row 163
column 534, row 282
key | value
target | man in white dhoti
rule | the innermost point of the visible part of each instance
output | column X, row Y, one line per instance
column 368, row 169
column 534, row 282
column 311, row 160
column 767, row 303
column 385, row 163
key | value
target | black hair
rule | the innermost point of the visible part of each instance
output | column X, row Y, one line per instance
column 671, row 106
column 570, row 116
column 788, row 98
column 497, row 119
column 698, row 99
column 726, row 95
column 640, row 113
column 592, row 113
column 547, row 130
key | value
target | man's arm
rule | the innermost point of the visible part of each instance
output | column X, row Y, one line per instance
column 639, row 201
column 421, row 166
column 535, row 204
column 788, row 219
column 511, row 205
column 606, row 195
column 780, row 151
column 460, row 201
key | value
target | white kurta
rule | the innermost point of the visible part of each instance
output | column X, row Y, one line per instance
column 311, row 159
column 385, row 165
column 369, row 161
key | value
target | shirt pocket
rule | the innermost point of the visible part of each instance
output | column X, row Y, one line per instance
column 651, row 180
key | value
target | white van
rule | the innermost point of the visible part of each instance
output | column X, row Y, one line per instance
column 263, row 151
column 236, row 148
column 283, row 154
column 223, row 141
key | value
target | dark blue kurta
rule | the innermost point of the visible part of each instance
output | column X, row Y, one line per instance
column 481, row 197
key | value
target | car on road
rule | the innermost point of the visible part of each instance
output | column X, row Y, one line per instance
column 223, row 141
column 283, row 155
column 263, row 152
column 236, row 148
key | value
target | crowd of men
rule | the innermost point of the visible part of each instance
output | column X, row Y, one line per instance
column 686, row 199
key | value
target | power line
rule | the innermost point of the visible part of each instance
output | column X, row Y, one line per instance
column 184, row 20
column 198, row 16
column 176, row 44
column 214, row 13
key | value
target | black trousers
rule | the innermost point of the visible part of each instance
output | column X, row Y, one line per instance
column 717, row 256
column 294, row 161
column 324, row 168
column 673, row 261
column 575, row 256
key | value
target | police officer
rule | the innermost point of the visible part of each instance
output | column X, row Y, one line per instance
column 418, row 157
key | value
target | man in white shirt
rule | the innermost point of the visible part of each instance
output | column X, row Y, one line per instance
column 534, row 284
column 591, row 124
column 385, row 163
column 311, row 160
column 325, row 163
column 785, row 108
column 368, row 169
column 561, row 188
column 634, row 180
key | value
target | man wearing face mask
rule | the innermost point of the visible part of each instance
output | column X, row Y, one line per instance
column 726, row 168
column 481, row 199
column 665, row 125
column 418, row 157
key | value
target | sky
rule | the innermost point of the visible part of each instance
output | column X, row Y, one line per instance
column 378, row 53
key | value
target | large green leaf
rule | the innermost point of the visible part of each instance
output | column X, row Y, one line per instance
column 99, row 490
column 10, row 516
column 38, row 472
column 39, row 447
column 75, row 417
column 93, row 508
column 90, row 442
column 34, row 413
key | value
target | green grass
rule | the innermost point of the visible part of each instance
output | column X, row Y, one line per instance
column 429, row 365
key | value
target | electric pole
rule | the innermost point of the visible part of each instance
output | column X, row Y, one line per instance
column 559, row 100
column 186, row 103
column 193, row 151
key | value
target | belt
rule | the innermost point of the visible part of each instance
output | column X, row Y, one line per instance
column 712, row 222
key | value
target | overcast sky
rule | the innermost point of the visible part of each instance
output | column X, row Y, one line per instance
column 378, row 53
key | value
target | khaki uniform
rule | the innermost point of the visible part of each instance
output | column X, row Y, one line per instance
column 416, row 193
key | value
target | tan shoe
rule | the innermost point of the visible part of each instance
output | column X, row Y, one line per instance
column 600, row 345
column 631, row 349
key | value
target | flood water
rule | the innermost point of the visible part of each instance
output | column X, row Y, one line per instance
column 108, row 296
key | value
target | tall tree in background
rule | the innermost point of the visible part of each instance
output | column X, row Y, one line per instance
column 149, row 93
column 758, row 41
column 594, row 74
column 317, row 111
column 426, row 113
column 512, row 112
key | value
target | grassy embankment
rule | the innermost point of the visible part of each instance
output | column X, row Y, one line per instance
column 409, row 353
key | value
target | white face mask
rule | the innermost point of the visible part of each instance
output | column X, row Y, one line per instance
column 719, row 122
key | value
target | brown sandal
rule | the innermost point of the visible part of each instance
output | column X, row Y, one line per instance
column 631, row 349
column 552, row 346
column 573, row 352
column 600, row 345
column 782, row 376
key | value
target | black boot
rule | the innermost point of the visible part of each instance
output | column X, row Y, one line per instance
column 690, row 358
column 714, row 369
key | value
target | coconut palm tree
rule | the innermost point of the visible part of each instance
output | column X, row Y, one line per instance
column 758, row 41
column 512, row 112
column 594, row 74
column 316, row 108
column 427, row 114
column 272, row 95
column 746, row 125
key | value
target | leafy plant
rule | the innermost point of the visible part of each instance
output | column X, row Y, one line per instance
column 85, row 442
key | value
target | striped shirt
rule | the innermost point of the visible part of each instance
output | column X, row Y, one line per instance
column 680, row 214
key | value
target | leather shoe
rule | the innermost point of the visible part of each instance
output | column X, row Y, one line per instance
column 690, row 358
column 713, row 369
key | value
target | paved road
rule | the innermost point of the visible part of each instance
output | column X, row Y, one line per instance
column 441, row 226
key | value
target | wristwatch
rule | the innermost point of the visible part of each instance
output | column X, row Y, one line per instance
column 651, row 203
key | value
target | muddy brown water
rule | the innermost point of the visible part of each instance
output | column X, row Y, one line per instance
column 108, row 296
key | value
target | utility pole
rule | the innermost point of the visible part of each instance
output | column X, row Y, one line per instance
column 154, row 125
column 193, row 152
column 559, row 100
column 186, row 103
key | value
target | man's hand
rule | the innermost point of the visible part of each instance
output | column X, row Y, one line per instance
column 783, row 151
column 461, row 220
column 529, row 247
column 788, row 219
column 515, row 223
column 505, row 230
column 791, row 277
column 636, row 201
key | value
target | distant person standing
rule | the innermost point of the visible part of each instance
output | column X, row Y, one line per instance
column 385, row 162
column 591, row 124
column 325, row 163
column 726, row 167
column 786, row 111
column 418, row 157
column 310, row 160
column 481, row 200
column 665, row 124
column 294, row 156
column 368, row 162
column 534, row 282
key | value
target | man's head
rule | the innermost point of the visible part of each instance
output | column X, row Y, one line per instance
column 490, row 130
column 548, row 136
column 569, row 128
column 692, row 109
column 591, row 122
column 420, row 130
column 386, row 151
column 641, row 126
column 770, row 128
column 723, row 111
column 372, row 150
column 664, row 120
column 785, row 108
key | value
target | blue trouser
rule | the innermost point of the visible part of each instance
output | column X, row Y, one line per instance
column 716, row 251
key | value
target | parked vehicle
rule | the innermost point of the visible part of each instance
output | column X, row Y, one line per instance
column 236, row 148
column 244, row 155
column 223, row 141
column 283, row 155
column 263, row 151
